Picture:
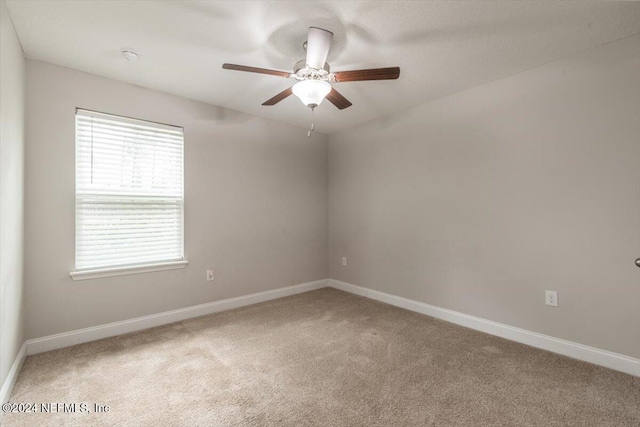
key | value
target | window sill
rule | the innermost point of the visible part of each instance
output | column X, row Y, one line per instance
column 121, row 271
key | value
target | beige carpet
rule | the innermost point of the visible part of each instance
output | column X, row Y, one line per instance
column 324, row 358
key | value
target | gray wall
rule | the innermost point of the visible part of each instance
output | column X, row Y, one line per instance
column 481, row 201
column 12, row 81
column 255, row 204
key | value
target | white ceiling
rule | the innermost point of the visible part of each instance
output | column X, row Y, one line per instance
column 442, row 47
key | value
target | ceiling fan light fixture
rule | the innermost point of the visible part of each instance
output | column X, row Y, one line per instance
column 311, row 92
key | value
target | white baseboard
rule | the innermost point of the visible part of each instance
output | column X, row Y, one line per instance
column 582, row 352
column 10, row 381
column 618, row 362
column 66, row 339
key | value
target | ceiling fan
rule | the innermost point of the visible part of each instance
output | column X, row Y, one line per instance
column 314, row 75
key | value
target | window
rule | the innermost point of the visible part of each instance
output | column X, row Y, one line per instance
column 129, row 194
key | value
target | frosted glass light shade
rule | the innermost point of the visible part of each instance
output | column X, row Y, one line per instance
column 311, row 92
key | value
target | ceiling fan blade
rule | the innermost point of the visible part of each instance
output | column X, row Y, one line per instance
column 256, row 70
column 391, row 73
column 338, row 100
column 318, row 44
column 279, row 97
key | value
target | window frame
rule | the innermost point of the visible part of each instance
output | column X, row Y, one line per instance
column 119, row 270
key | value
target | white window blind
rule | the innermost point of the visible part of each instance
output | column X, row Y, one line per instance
column 129, row 192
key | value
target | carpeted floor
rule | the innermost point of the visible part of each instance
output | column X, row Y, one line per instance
column 323, row 358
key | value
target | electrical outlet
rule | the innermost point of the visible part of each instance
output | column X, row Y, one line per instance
column 551, row 298
column 344, row 260
column 210, row 275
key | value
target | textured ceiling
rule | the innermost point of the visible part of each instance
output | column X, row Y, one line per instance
column 442, row 47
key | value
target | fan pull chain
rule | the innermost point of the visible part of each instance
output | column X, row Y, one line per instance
column 310, row 130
